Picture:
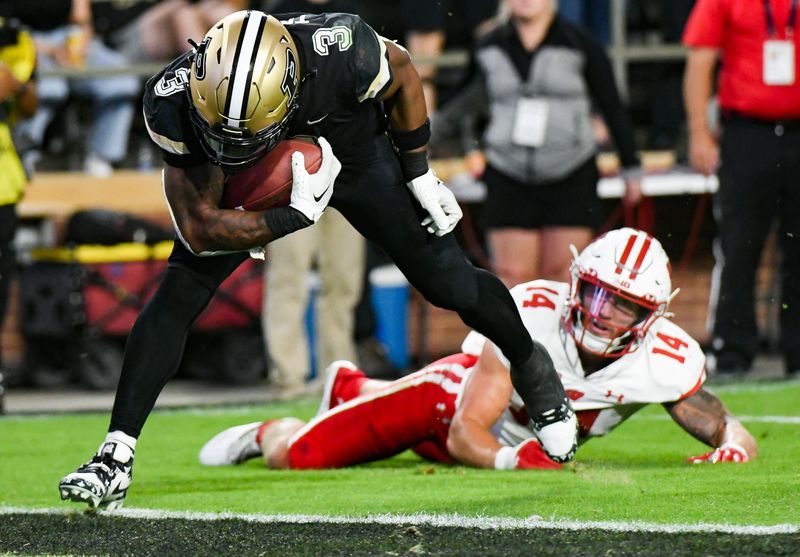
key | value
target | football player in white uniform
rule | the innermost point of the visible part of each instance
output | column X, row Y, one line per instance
column 613, row 345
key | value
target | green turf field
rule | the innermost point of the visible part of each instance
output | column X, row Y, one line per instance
column 636, row 474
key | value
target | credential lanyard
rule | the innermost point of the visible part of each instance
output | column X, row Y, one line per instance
column 771, row 20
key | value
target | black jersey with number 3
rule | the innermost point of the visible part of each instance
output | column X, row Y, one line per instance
column 344, row 68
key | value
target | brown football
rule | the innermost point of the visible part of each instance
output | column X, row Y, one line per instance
column 268, row 183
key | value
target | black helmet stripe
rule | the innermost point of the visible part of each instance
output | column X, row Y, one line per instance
column 242, row 69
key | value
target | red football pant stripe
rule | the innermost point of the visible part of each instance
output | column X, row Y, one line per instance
column 625, row 253
column 414, row 410
column 640, row 259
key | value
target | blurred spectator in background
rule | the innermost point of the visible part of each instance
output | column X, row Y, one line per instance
column 157, row 30
column 428, row 24
column 385, row 16
column 757, row 161
column 540, row 75
column 17, row 99
column 666, row 104
column 74, row 46
column 41, row 14
column 337, row 250
column 595, row 15
column 311, row 6
column 373, row 355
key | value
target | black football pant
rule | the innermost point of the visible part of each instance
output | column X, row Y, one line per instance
column 759, row 182
column 371, row 194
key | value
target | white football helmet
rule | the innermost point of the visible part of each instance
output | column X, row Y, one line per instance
column 624, row 271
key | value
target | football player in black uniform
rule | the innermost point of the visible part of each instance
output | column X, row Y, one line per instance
column 253, row 81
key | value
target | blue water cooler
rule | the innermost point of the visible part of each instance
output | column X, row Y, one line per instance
column 390, row 294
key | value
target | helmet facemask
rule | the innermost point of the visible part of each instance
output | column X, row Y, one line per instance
column 235, row 147
column 608, row 322
column 620, row 285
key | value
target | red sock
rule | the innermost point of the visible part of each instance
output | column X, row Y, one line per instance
column 261, row 429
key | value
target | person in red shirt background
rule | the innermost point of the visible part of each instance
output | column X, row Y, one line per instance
column 757, row 161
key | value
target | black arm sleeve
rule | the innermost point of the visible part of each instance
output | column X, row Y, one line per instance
column 605, row 95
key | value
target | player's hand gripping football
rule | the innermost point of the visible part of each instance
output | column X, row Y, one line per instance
column 528, row 455
column 312, row 192
column 440, row 203
column 729, row 452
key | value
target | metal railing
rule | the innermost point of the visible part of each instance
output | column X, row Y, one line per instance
column 621, row 56
column 621, row 53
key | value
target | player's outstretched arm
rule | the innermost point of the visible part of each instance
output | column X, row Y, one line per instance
column 705, row 417
column 485, row 397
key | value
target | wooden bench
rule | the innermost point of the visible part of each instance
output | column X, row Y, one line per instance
column 59, row 194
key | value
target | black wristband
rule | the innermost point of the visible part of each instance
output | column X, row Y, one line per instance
column 414, row 164
column 413, row 139
column 285, row 220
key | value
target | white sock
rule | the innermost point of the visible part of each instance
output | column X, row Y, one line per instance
column 121, row 437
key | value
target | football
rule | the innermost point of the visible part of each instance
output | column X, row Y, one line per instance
column 268, row 183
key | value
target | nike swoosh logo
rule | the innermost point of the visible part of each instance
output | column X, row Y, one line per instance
column 317, row 121
column 322, row 194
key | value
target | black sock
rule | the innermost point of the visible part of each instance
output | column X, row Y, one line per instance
column 534, row 381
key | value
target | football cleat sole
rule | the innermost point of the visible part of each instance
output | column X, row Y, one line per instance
column 82, row 494
column 79, row 495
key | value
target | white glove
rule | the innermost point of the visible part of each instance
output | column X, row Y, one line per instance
column 443, row 210
column 312, row 192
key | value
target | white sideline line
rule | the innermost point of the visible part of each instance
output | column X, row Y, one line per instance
column 755, row 387
column 771, row 419
column 246, row 410
column 758, row 419
column 439, row 520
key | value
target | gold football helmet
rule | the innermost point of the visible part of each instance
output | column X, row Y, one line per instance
column 243, row 87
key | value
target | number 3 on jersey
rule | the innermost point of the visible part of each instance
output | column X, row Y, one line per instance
column 673, row 342
column 538, row 299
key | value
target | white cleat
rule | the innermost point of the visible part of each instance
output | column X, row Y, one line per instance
column 102, row 482
column 557, row 431
column 332, row 373
column 232, row 446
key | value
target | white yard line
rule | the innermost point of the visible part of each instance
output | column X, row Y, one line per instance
column 250, row 409
column 770, row 419
column 441, row 520
column 754, row 387
column 759, row 419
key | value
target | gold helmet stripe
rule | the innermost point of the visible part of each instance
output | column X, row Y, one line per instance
column 244, row 59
